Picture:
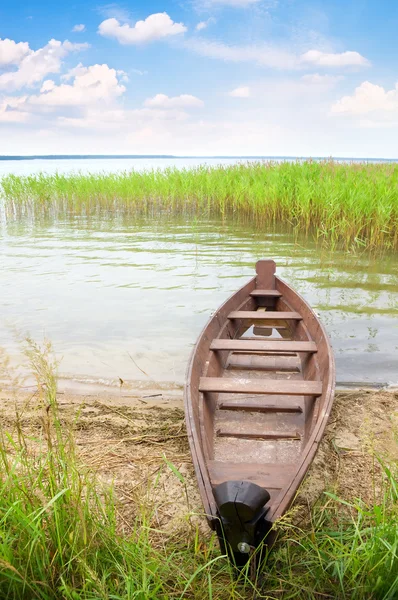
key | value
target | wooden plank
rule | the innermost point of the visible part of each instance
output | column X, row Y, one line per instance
column 265, row 294
column 270, row 476
column 256, row 407
column 263, row 345
column 269, row 338
column 249, row 361
column 260, row 386
column 258, row 435
column 262, row 315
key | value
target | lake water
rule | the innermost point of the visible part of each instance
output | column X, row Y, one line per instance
column 122, row 297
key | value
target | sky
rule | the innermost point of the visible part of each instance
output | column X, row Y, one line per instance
column 200, row 77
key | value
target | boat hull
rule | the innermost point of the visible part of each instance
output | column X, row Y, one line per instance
column 259, row 390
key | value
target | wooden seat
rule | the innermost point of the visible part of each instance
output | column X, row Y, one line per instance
column 262, row 315
column 259, row 434
column 265, row 294
column 263, row 345
column 250, row 406
column 260, row 386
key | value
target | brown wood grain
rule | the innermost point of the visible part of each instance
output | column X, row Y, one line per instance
column 258, row 386
column 271, row 315
column 263, row 345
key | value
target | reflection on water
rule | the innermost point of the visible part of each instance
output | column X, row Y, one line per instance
column 122, row 298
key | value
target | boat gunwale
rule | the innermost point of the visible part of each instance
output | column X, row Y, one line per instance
column 193, row 435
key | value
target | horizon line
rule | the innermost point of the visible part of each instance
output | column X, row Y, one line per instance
column 173, row 156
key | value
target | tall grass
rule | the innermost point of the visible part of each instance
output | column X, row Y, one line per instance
column 59, row 534
column 350, row 551
column 345, row 204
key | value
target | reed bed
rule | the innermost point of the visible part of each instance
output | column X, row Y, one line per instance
column 346, row 205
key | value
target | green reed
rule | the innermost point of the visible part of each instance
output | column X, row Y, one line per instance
column 59, row 534
column 350, row 205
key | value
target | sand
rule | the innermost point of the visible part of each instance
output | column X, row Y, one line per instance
column 139, row 445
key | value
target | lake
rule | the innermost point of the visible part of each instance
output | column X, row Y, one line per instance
column 126, row 297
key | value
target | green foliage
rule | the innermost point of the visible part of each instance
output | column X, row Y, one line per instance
column 58, row 525
column 351, row 205
column 350, row 552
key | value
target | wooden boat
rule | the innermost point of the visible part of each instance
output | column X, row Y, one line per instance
column 259, row 390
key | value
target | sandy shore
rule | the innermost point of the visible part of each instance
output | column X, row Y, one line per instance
column 130, row 440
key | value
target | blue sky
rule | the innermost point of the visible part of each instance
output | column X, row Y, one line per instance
column 199, row 77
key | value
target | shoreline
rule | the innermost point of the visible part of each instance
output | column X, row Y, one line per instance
column 150, row 390
column 363, row 425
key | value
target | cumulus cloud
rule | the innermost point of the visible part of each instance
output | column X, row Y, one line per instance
column 79, row 28
column 87, row 98
column 338, row 59
column 154, row 27
column 182, row 101
column 90, row 85
column 35, row 65
column 368, row 98
column 11, row 110
column 93, row 88
column 240, row 92
column 11, row 53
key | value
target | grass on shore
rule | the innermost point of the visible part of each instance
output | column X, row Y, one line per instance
column 59, row 534
column 349, row 205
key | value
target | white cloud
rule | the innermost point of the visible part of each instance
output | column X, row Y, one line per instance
column 263, row 55
column 316, row 79
column 11, row 53
column 368, row 98
column 204, row 24
column 183, row 101
column 329, row 59
column 11, row 110
column 155, row 27
column 97, row 83
column 35, row 65
column 273, row 57
column 107, row 120
column 377, row 124
column 94, row 89
column 240, row 92
column 79, row 28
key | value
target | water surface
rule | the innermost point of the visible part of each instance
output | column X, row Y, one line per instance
column 127, row 298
